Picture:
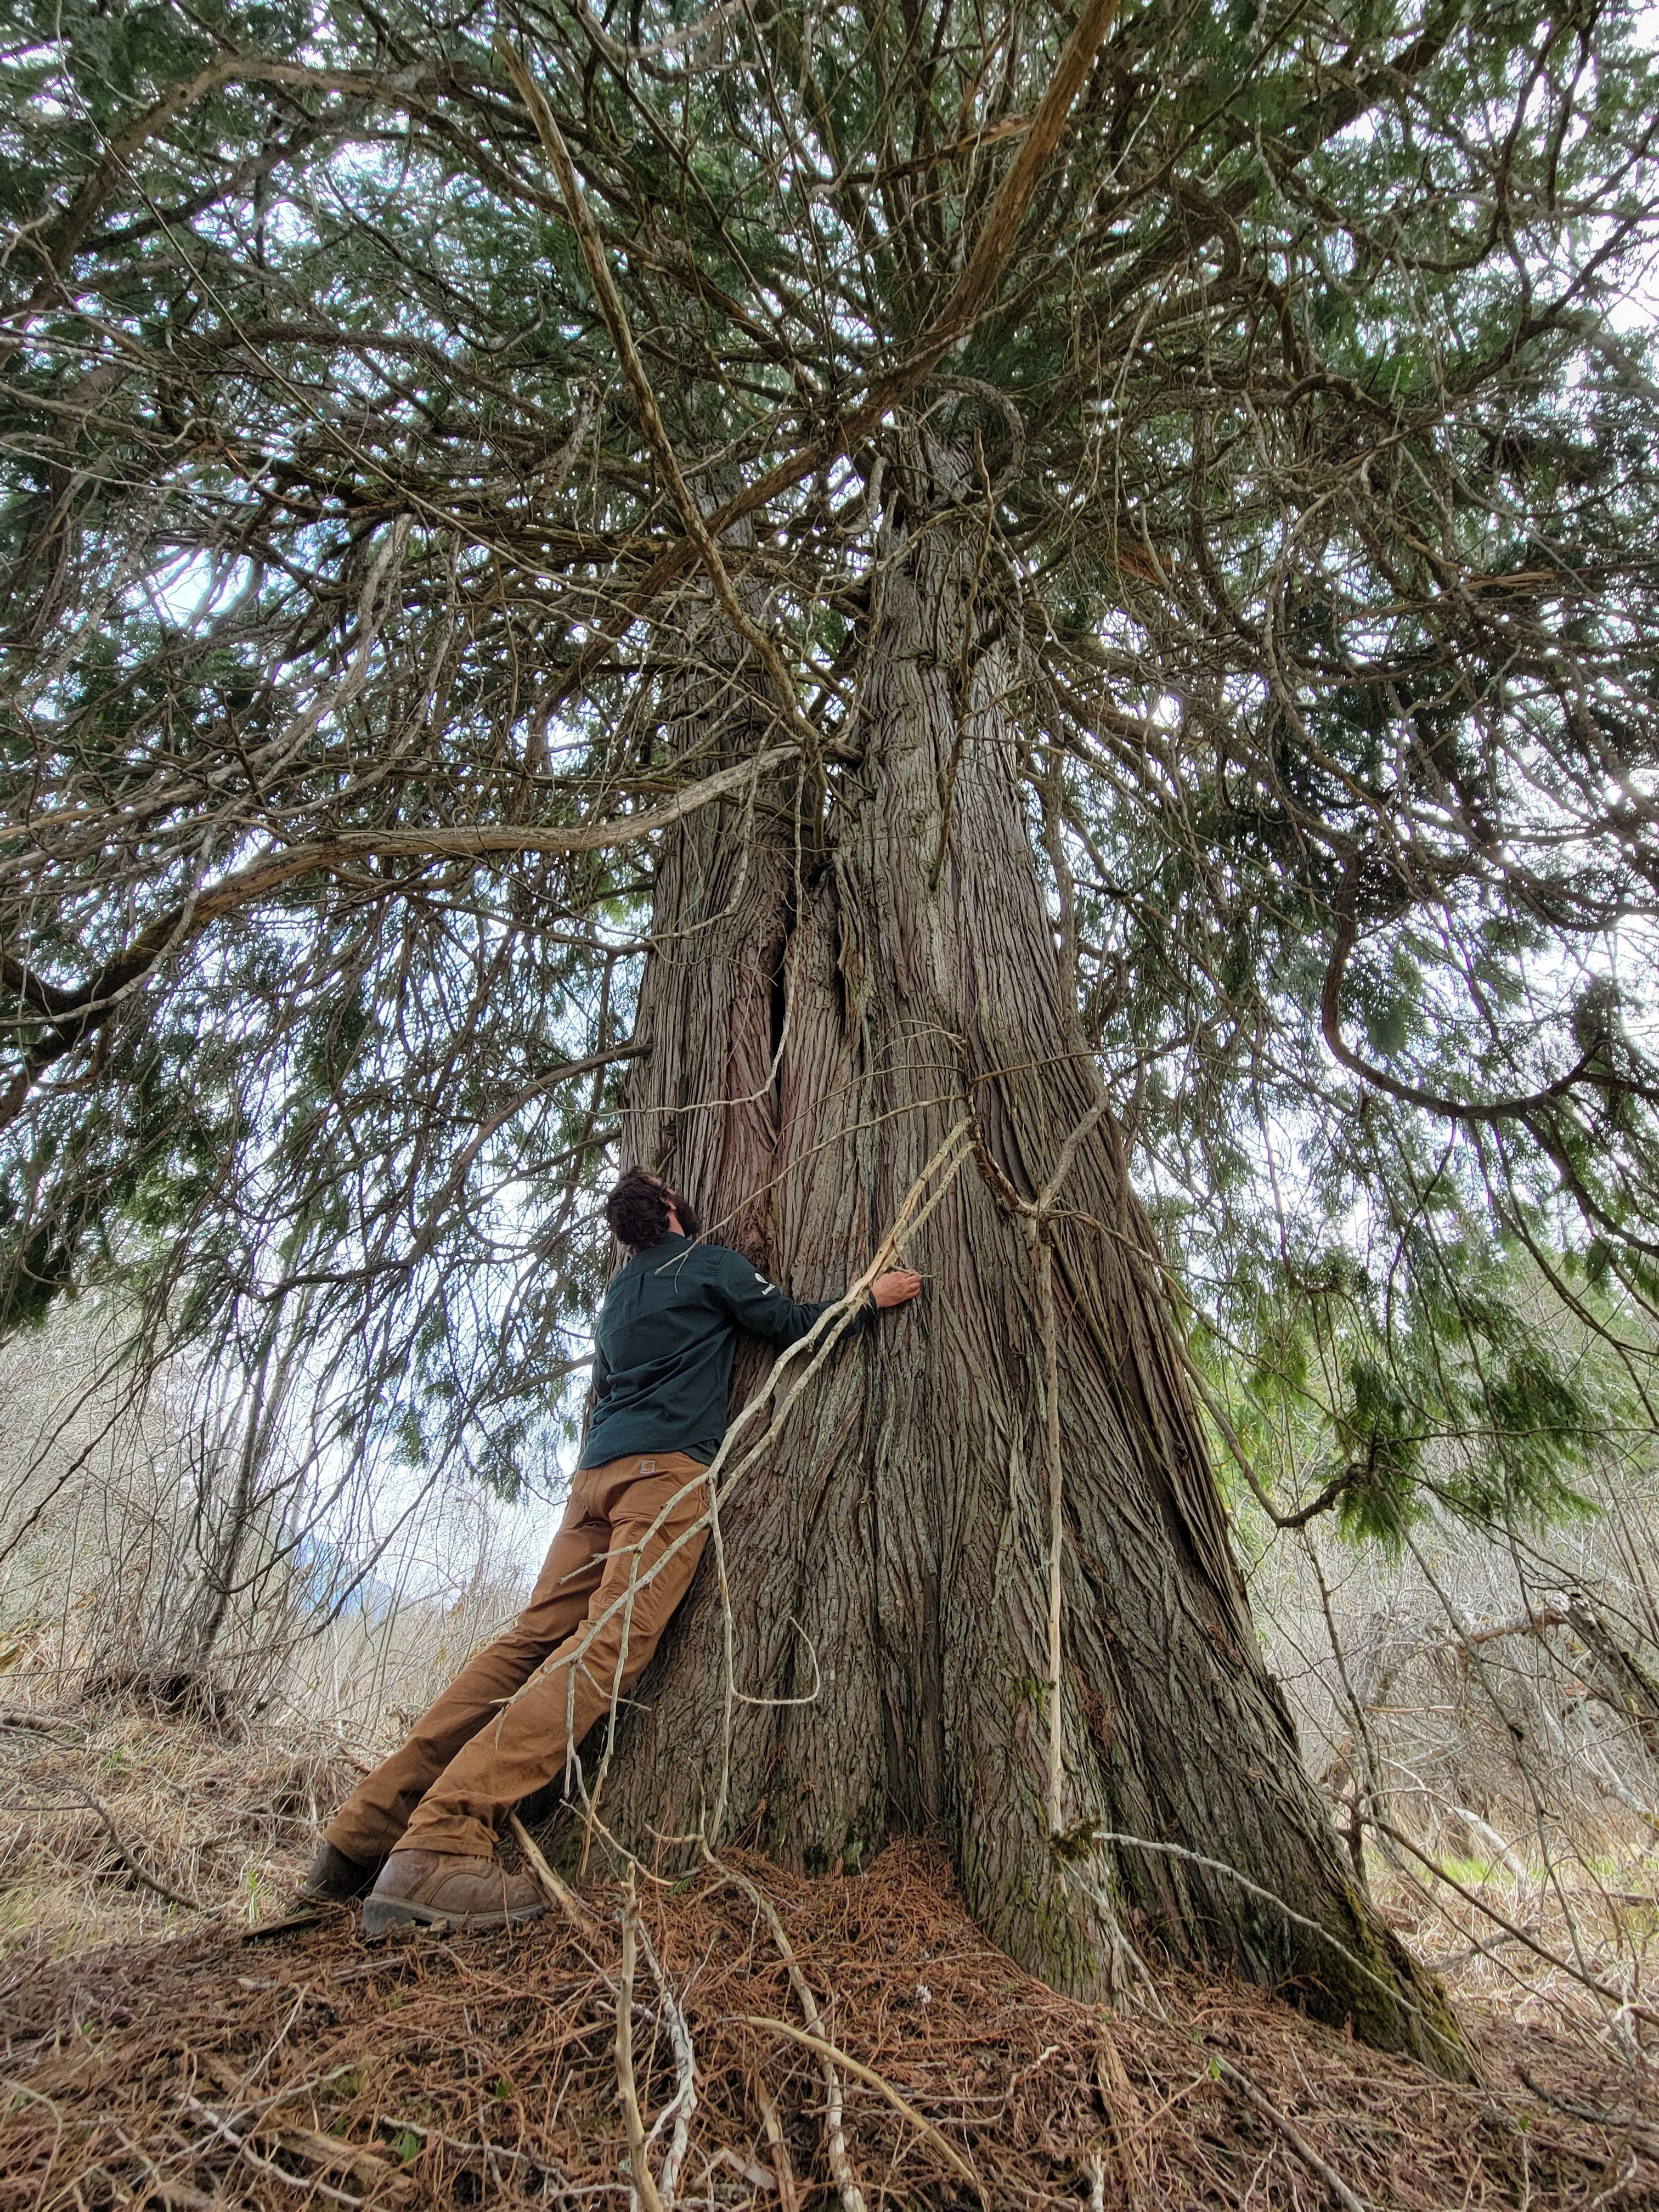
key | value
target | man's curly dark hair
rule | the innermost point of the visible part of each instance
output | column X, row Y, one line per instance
column 637, row 1209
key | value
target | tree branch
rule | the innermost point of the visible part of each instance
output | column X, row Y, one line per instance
column 55, row 238
column 656, row 429
column 1409, row 1094
column 74, row 1015
column 966, row 302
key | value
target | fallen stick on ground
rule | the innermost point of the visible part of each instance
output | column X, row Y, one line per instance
column 38, row 1724
column 317, row 2149
column 482, row 2148
column 1123, row 2113
column 1297, row 2142
column 825, row 2048
column 169, row 2191
column 307, row 1917
column 788, row 2194
column 1632, row 2125
column 84, row 1801
column 1096, row 2182
column 683, row 2102
column 639, row 2166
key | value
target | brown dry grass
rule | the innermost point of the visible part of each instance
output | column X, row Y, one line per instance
column 95, row 1796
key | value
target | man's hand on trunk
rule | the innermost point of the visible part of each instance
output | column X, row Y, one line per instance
column 895, row 1288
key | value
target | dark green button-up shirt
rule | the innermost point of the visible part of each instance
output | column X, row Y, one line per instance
column 663, row 1348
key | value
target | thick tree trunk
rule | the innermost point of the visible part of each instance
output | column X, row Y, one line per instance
column 818, row 1020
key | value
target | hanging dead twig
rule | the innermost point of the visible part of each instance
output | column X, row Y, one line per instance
column 556, row 1892
column 683, row 2102
column 1036, row 1218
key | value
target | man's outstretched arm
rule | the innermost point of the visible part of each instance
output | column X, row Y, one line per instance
column 764, row 1311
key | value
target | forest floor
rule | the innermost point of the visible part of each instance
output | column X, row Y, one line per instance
column 155, row 2053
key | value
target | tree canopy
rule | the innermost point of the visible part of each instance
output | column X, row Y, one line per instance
column 379, row 388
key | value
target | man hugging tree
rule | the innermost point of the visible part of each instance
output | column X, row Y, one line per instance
column 419, row 1835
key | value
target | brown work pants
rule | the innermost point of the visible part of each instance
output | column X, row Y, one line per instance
column 506, row 1725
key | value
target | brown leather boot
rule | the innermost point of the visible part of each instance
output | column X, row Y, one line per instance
column 439, row 1889
column 334, row 1879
